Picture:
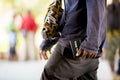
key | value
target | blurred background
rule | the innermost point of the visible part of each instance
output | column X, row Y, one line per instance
column 20, row 61
column 18, row 8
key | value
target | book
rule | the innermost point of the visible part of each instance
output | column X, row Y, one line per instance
column 75, row 44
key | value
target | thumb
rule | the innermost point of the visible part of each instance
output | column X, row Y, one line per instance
column 79, row 52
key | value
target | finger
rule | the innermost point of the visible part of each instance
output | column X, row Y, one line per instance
column 89, row 55
column 41, row 54
column 45, row 55
column 79, row 52
column 92, row 55
column 84, row 54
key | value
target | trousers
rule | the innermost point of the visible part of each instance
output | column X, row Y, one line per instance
column 60, row 67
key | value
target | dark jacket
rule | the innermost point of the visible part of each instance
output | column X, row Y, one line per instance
column 84, row 18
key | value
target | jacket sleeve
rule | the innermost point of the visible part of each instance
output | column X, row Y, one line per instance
column 96, row 26
column 47, row 44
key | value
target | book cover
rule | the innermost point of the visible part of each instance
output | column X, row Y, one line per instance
column 75, row 44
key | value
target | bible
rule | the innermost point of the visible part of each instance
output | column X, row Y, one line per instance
column 75, row 44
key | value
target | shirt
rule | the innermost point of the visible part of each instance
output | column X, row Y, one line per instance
column 85, row 18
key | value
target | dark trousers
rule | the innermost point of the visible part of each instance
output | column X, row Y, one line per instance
column 118, row 71
column 59, row 67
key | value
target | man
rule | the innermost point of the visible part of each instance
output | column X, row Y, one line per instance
column 29, row 28
column 83, row 19
column 113, row 34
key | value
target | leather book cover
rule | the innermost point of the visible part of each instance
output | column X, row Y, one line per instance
column 75, row 44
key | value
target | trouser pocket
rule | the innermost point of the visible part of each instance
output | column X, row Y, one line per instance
column 68, row 53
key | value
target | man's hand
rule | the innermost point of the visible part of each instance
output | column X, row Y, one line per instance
column 43, row 55
column 85, row 54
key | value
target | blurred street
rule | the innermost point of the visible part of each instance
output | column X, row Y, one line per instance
column 31, row 70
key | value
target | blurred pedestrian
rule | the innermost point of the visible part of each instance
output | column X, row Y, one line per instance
column 13, row 38
column 83, row 31
column 29, row 28
column 113, row 34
